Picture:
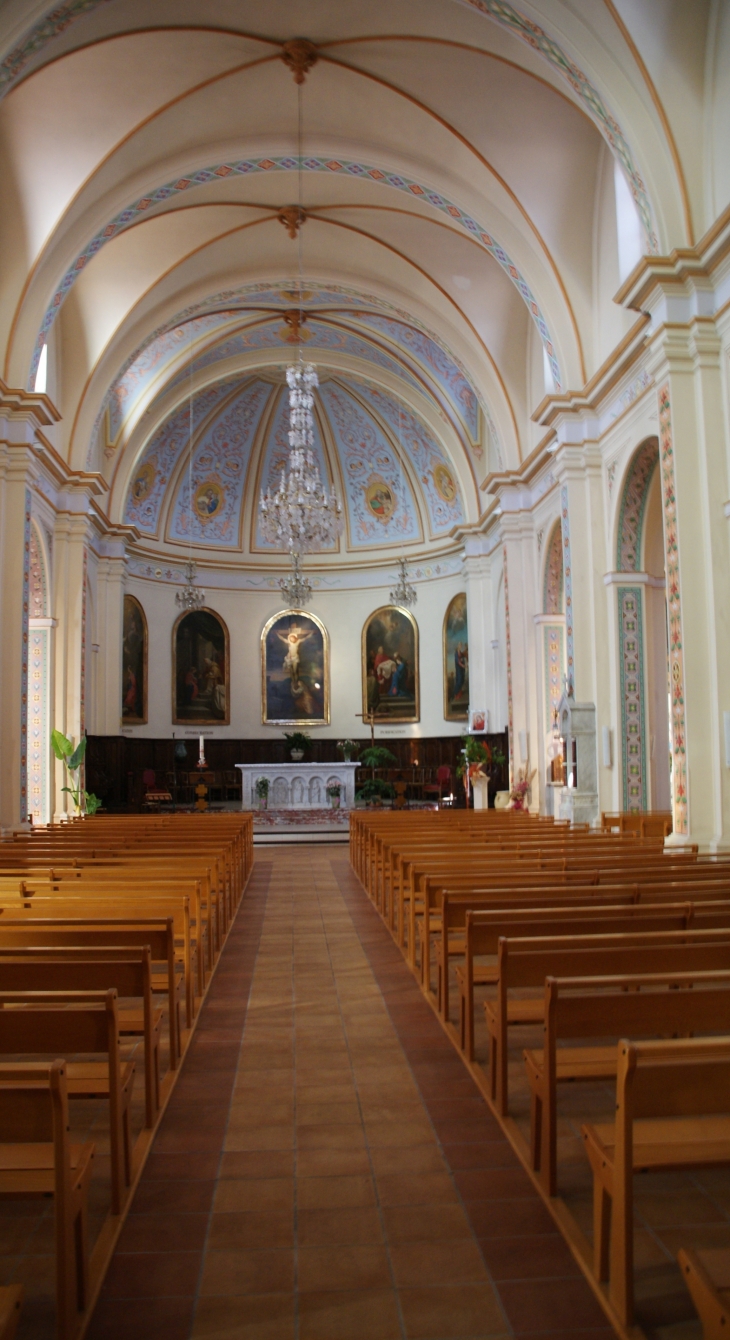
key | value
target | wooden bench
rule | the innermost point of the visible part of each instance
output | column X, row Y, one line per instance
column 634, row 990
column 11, row 1301
column 126, row 968
column 707, row 1276
column 672, row 1112
column 37, row 1158
column 68, row 1023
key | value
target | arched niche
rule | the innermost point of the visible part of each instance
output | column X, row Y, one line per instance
column 552, row 651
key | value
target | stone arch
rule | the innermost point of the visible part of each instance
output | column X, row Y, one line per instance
column 553, row 640
column 633, row 505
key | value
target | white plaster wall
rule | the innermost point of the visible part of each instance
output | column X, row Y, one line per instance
column 343, row 614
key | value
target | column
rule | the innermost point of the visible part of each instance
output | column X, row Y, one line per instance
column 686, row 362
column 110, row 581
column 71, row 537
column 518, row 538
column 22, row 418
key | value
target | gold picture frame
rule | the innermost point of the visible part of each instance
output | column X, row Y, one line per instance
column 295, row 684
column 201, row 672
column 391, row 688
column 455, row 643
column 134, row 663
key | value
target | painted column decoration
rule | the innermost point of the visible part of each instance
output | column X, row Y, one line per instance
column 24, row 666
column 631, row 635
column 38, row 687
column 680, row 799
column 508, row 646
column 567, row 585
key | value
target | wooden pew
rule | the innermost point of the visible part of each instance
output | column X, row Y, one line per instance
column 485, row 928
column 69, row 1023
column 672, row 1112
column 38, row 1159
column 644, row 1000
column 106, row 911
column 707, row 1276
column 11, row 1301
column 85, row 934
column 126, row 969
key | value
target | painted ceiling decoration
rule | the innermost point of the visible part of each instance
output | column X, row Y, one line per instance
column 417, row 357
column 499, row 11
column 398, row 484
column 311, row 163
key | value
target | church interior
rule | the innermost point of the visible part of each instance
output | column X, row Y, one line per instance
column 364, row 588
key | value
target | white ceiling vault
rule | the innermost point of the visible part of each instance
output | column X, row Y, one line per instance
column 459, row 238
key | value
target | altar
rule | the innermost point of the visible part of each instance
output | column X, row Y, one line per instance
column 297, row 786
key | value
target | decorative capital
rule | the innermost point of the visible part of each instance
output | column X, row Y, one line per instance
column 292, row 217
column 300, row 55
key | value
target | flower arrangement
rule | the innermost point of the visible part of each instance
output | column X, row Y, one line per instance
column 476, row 757
column 334, row 789
column 298, row 743
column 518, row 794
column 348, row 748
column 262, row 788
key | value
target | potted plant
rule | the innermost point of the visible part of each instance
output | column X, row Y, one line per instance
column 374, row 791
column 262, row 791
column 72, row 758
column 477, row 761
column 377, row 756
column 348, row 748
column 297, row 744
column 334, row 791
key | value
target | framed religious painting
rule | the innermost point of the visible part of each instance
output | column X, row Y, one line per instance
column 390, row 683
column 134, row 663
column 456, row 660
column 200, row 670
column 295, row 671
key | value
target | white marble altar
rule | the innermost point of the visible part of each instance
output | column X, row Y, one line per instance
column 298, row 786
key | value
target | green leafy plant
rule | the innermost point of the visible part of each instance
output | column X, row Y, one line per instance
column 375, row 789
column 377, row 756
column 262, row 788
column 72, row 757
column 334, row 790
column 298, row 740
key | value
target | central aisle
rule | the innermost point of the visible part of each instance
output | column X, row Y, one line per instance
column 327, row 1169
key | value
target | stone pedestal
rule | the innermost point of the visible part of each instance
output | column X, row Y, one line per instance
column 578, row 801
column 298, row 786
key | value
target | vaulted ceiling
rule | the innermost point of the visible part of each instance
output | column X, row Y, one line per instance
column 457, row 156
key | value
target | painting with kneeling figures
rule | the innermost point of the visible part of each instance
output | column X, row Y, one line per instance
column 295, row 671
column 200, row 669
column 390, row 683
column 456, row 660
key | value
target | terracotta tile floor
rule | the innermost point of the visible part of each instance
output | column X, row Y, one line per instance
column 327, row 1167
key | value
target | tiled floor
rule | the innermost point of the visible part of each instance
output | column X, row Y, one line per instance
column 327, row 1167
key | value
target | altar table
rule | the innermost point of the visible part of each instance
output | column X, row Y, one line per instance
column 297, row 786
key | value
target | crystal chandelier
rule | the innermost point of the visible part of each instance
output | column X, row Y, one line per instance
column 191, row 597
column 403, row 593
column 302, row 514
column 296, row 588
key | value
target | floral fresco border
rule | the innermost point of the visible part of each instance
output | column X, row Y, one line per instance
column 633, row 717
column 680, row 797
column 246, row 167
column 567, row 585
column 554, row 649
column 508, row 648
